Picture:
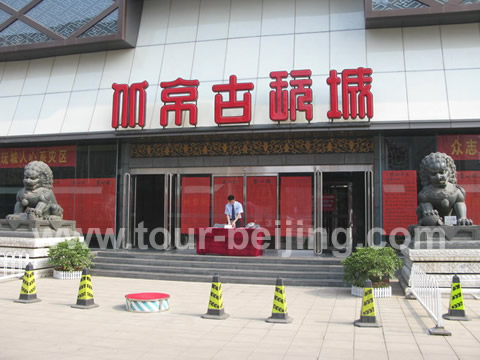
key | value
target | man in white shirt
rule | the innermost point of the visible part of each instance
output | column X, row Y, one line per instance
column 233, row 211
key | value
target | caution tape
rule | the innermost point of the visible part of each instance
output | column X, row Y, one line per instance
column 28, row 284
column 368, row 303
column 279, row 302
column 456, row 299
column 85, row 291
column 216, row 299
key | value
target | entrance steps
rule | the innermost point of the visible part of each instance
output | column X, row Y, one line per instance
column 323, row 270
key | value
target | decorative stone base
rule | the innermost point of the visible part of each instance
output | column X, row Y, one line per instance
column 24, row 237
column 443, row 251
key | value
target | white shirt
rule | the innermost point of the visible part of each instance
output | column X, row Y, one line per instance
column 238, row 209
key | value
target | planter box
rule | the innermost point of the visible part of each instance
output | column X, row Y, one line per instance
column 67, row 275
column 377, row 292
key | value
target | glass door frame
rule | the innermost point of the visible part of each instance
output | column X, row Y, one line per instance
column 173, row 192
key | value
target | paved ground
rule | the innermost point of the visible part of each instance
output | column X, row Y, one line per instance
column 322, row 327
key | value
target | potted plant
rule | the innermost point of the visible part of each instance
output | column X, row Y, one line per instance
column 68, row 259
column 375, row 263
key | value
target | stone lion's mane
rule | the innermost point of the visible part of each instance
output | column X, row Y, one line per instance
column 44, row 171
column 427, row 164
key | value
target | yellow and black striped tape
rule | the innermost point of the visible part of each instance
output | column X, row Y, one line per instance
column 216, row 299
column 368, row 303
column 456, row 299
column 279, row 301
column 28, row 284
column 85, row 291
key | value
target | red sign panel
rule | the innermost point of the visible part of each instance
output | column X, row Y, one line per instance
column 261, row 203
column 399, row 189
column 90, row 202
column 195, row 203
column 470, row 181
column 296, row 205
column 222, row 187
column 460, row 147
column 52, row 156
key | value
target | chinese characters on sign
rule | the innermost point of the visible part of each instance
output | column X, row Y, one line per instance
column 53, row 156
column 460, row 147
column 300, row 96
column 235, row 107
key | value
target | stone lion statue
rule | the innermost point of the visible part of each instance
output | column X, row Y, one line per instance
column 440, row 195
column 36, row 200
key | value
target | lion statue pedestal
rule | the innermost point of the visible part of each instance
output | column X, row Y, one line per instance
column 442, row 250
column 37, row 222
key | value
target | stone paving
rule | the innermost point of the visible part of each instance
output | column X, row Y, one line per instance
column 322, row 326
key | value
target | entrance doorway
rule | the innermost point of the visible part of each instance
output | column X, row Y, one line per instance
column 343, row 208
column 153, row 209
column 292, row 203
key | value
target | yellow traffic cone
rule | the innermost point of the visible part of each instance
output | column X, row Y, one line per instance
column 85, row 292
column 456, row 307
column 368, row 316
column 28, row 292
column 279, row 311
column 215, row 304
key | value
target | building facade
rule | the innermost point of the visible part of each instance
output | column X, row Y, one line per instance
column 315, row 114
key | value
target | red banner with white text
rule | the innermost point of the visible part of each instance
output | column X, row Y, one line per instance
column 52, row 156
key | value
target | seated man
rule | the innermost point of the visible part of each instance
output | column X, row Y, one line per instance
column 233, row 211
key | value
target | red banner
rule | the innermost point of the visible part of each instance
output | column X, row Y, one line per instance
column 222, row 187
column 52, row 156
column 296, row 205
column 470, row 182
column 195, row 203
column 399, row 189
column 460, row 147
column 261, row 204
column 90, row 202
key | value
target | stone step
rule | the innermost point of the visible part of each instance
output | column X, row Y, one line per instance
column 224, row 279
column 233, row 264
column 302, row 274
column 323, row 260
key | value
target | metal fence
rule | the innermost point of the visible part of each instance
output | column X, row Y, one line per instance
column 12, row 264
column 425, row 288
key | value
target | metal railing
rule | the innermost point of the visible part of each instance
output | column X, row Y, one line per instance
column 13, row 264
column 425, row 288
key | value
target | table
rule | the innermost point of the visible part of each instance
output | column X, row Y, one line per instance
column 229, row 242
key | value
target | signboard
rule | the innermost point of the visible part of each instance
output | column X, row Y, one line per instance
column 399, row 189
column 292, row 93
column 57, row 156
column 90, row 202
column 470, row 182
column 460, row 147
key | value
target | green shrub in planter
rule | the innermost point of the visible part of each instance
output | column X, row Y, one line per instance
column 376, row 264
column 70, row 255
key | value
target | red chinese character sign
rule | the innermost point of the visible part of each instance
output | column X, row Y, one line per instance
column 291, row 93
column 59, row 156
column 283, row 103
column 245, row 105
column 460, row 147
column 128, row 114
column 179, row 96
column 357, row 98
